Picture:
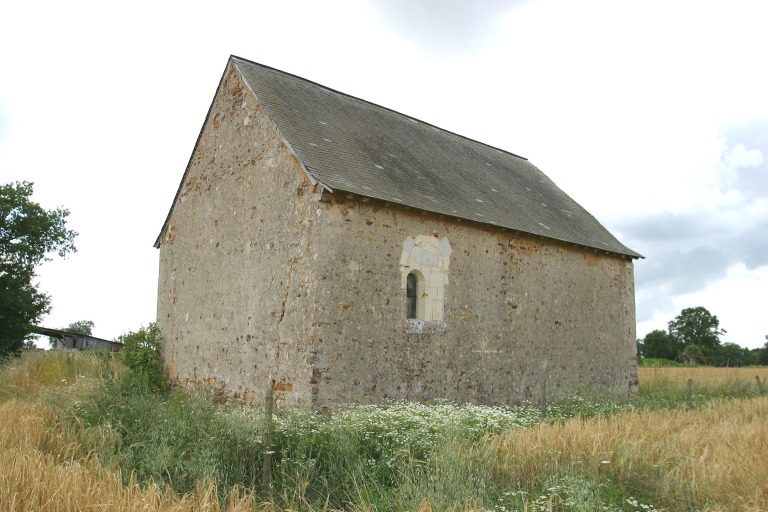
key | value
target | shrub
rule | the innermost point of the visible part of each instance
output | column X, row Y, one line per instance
column 141, row 355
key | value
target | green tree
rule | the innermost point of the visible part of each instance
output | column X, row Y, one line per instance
column 696, row 326
column 28, row 234
column 659, row 344
column 731, row 354
column 762, row 353
column 21, row 305
column 79, row 327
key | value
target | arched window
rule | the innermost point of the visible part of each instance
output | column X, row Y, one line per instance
column 411, row 294
column 424, row 267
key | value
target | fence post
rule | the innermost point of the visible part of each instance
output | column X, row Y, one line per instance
column 759, row 384
column 544, row 400
column 689, row 394
column 266, row 465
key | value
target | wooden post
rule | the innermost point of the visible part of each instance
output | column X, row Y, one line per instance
column 266, row 465
column 544, row 401
column 759, row 384
column 688, row 394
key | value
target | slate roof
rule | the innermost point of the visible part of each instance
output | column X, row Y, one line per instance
column 348, row 144
column 352, row 145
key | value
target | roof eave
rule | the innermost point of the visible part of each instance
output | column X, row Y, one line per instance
column 627, row 253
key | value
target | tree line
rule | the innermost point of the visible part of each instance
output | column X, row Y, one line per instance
column 693, row 337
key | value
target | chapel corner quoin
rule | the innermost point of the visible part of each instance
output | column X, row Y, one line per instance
column 340, row 252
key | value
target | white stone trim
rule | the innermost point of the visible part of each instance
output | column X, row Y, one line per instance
column 430, row 258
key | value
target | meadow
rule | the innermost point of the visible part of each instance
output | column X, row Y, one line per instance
column 81, row 432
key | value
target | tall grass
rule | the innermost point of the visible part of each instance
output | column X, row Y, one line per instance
column 713, row 457
column 668, row 387
column 81, row 429
column 707, row 376
column 174, row 441
column 42, row 468
column 39, row 372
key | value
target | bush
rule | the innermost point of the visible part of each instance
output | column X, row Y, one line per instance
column 141, row 355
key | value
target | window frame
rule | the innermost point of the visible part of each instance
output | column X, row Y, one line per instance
column 412, row 286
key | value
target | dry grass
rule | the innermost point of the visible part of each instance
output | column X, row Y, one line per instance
column 701, row 375
column 712, row 458
column 39, row 472
column 41, row 463
column 38, row 372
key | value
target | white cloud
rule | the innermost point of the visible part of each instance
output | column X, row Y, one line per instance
column 739, row 157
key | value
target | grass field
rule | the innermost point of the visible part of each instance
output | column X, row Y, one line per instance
column 701, row 375
column 82, row 433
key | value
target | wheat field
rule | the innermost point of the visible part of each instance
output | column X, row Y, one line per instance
column 701, row 375
column 711, row 458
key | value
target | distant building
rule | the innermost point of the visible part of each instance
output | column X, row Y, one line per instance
column 341, row 252
column 74, row 341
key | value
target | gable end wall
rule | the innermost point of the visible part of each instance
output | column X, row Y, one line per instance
column 235, row 259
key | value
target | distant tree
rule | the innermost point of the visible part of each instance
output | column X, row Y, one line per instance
column 79, row 327
column 659, row 344
column 692, row 354
column 28, row 234
column 696, row 326
column 731, row 354
column 762, row 355
column 756, row 356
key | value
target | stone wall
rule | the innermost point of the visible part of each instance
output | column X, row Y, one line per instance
column 519, row 312
column 236, row 272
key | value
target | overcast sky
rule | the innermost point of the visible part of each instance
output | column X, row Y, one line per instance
column 653, row 115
